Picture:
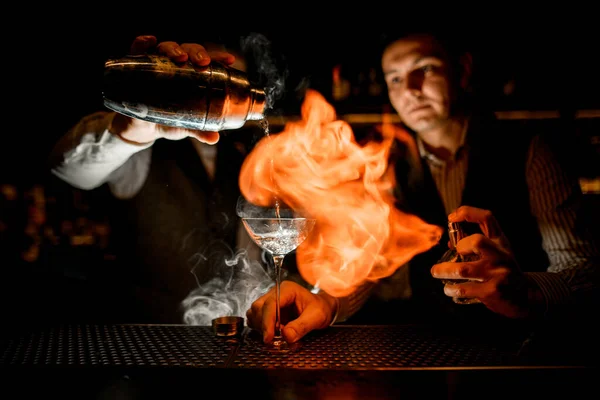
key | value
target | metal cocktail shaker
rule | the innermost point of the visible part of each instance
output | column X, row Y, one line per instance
column 156, row 89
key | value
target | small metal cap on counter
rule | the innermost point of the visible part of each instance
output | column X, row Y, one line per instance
column 228, row 326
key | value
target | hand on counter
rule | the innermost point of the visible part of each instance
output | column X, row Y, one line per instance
column 301, row 312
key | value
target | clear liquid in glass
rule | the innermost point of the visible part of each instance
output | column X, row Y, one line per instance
column 278, row 236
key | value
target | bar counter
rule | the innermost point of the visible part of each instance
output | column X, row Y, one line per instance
column 345, row 362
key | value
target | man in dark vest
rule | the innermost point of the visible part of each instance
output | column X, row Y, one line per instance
column 172, row 208
column 455, row 162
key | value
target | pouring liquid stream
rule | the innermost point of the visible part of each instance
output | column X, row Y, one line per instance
column 278, row 265
column 265, row 125
column 278, row 233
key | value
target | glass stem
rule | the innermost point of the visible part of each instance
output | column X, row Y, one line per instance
column 278, row 261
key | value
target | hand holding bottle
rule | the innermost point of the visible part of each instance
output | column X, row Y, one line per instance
column 495, row 278
column 138, row 131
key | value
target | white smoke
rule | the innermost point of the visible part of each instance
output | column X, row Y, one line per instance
column 229, row 283
column 236, row 284
column 266, row 65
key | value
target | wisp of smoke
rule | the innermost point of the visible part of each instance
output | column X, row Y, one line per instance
column 231, row 282
column 240, row 282
column 266, row 65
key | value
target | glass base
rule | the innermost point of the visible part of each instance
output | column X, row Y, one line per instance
column 278, row 345
column 281, row 346
column 466, row 300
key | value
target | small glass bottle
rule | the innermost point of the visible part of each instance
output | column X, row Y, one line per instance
column 156, row 89
column 456, row 233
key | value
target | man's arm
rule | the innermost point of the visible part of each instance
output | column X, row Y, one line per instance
column 557, row 203
column 90, row 154
column 348, row 306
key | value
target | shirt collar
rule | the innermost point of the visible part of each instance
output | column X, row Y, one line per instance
column 424, row 153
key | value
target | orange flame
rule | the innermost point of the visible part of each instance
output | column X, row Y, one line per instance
column 315, row 164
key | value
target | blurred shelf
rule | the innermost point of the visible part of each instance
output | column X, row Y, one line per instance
column 374, row 118
column 590, row 185
column 579, row 114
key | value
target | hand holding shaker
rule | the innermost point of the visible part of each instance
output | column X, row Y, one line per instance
column 156, row 89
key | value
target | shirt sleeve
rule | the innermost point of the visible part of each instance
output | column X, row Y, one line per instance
column 89, row 155
column 559, row 207
column 349, row 305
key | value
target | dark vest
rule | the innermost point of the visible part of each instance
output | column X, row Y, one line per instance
column 178, row 230
column 495, row 181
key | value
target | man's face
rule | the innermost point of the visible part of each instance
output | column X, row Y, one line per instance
column 418, row 79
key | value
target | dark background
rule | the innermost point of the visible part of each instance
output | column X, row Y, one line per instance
column 53, row 69
column 54, row 76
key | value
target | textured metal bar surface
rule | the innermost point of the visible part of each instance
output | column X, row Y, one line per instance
column 342, row 347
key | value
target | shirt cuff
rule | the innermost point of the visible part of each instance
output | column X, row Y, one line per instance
column 337, row 311
column 349, row 305
column 554, row 290
column 119, row 147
